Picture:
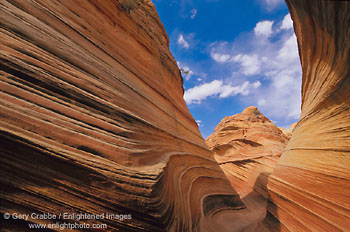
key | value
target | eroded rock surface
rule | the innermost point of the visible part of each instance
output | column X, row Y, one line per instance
column 247, row 146
column 310, row 187
column 288, row 132
column 93, row 121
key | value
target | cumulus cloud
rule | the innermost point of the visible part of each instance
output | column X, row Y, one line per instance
column 193, row 13
column 250, row 64
column 263, row 28
column 218, row 89
column 182, row 42
column 198, row 93
column 221, row 58
column 282, row 97
column 273, row 62
column 287, row 23
column 289, row 51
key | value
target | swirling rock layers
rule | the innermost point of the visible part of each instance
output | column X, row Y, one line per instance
column 310, row 187
column 93, row 120
column 247, row 146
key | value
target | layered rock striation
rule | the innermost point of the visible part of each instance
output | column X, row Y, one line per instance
column 247, row 146
column 288, row 132
column 310, row 186
column 93, row 121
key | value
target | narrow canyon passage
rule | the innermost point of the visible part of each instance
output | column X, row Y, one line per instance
column 94, row 123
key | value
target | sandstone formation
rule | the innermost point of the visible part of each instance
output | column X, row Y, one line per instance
column 310, row 186
column 245, row 136
column 288, row 132
column 247, row 146
column 93, row 121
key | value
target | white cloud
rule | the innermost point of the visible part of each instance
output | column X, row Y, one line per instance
column 282, row 98
column 187, row 72
column 262, row 102
column 217, row 89
column 221, row 58
column 263, row 28
column 198, row 93
column 193, row 13
column 287, row 22
column 250, row 63
column 256, row 84
column 271, row 4
column 182, row 42
column 274, row 62
column 244, row 89
column 199, row 123
column 289, row 51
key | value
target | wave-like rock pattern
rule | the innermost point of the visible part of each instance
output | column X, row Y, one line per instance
column 247, row 146
column 93, row 120
column 310, row 187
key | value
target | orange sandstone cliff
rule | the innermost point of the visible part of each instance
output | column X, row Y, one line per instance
column 93, row 121
column 310, row 187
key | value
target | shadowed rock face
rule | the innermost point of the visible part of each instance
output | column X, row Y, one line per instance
column 310, row 187
column 288, row 132
column 93, row 121
column 247, row 146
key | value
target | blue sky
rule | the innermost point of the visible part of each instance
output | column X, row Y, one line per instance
column 234, row 54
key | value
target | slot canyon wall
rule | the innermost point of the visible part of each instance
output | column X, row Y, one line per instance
column 310, row 186
column 93, row 121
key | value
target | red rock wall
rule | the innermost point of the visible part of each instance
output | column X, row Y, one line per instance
column 93, row 120
column 310, row 187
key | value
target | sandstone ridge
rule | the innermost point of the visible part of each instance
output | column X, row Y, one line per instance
column 247, row 146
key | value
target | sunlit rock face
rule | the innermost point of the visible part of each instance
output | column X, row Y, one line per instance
column 244, row 136
column 310, row 187
column 93, row 121
column 247, row 146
